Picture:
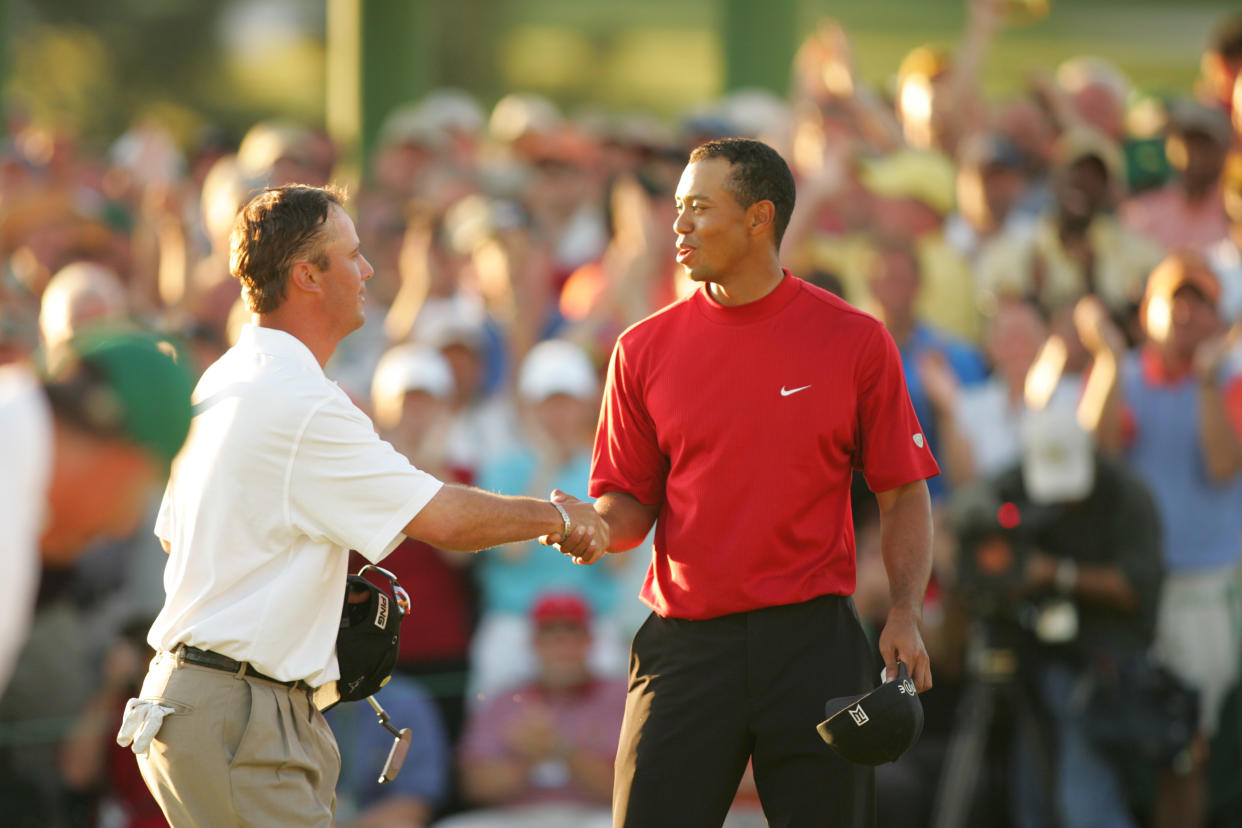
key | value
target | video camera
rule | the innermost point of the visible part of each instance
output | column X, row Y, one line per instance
column 995, row 540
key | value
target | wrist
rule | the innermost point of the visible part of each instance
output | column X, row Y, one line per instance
column 567, row 524
column 904, row 611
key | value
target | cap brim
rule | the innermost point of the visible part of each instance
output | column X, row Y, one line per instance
column 877, row 731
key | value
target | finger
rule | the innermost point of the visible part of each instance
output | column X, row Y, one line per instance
column 561, row 497
column 923, row 676
column 580, row 540
column 130, row 722
column 919, row 668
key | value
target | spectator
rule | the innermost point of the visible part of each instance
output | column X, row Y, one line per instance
column 559, row 393
column 83, row 443
column 541, row 755
column 90, row 758
column 81, row 295
column 1085, row 530
column 1222, row 62
column 910, row 194
column 482, row 419
column 1077, row 246
column 992, row 181
column 1188, row 213
column 1225, row 257
column 561, row 189
column 1182, row 444
column 979, row 427
column 895, row 284
column 1094, row 94
column 114, row 408
column 410, row 800
column 411, row 396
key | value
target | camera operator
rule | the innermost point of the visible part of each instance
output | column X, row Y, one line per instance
column 1080, row 535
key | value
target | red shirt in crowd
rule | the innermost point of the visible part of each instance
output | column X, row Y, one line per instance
column 745, row 424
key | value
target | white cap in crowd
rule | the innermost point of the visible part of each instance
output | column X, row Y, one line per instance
column 408, row 368
column 454, row 320
column 1058, row 464
column 555, row 366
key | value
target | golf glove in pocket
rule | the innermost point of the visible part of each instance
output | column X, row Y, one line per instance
column 141, row 722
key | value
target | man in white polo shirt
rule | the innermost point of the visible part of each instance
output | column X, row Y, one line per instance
column 282, row 475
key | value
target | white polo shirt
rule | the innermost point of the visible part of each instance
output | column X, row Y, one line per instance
column 26, row 455
column 280, row 477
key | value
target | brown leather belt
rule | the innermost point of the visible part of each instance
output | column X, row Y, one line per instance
column 215, row 661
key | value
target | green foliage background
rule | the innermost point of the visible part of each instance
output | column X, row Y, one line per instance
column 97, row 66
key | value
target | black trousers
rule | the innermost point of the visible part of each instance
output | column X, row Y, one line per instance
column 705, row 696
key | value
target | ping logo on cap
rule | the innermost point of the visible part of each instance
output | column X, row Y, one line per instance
column 859, row 715
column 381, row 611
column 906, row 687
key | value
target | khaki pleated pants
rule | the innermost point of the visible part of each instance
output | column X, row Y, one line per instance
column 237, row 751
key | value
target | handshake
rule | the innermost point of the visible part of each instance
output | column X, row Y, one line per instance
column 585, row 536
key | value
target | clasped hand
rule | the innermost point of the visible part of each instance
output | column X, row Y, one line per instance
column 588, row 535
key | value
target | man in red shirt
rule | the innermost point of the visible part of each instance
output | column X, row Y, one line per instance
column 733, row 421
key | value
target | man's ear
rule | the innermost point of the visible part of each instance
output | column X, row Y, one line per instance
column 304, row 277
column 760, row 217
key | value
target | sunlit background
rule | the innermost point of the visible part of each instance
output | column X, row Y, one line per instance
column 97, row 67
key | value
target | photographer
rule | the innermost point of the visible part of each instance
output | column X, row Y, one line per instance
column 1081, row 542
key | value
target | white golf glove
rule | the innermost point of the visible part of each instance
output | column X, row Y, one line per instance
column 141, row 722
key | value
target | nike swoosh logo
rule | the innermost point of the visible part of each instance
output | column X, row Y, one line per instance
column 785, row 392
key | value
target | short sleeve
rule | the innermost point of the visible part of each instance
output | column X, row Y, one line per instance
column 350, row 487
column 893, row 450
column 163, row 518
column 627, row 456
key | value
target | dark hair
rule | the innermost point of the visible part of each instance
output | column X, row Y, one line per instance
column 1225, row 38
column 758, row 174
column 277, row 228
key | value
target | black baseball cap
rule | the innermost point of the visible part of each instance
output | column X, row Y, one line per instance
column 877, row 726
column 369, row 638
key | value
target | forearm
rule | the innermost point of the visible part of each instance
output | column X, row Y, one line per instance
column 955, row 450
column 1100, row 408
column 1105, row 586
column 459, row 517
column 906, row 539
column 1222, row 451
column 83, row 754
column 628, row 520
column 494, row 782
column 593, row 774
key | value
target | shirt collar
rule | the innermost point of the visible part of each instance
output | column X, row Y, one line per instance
column 1155, row 372
column 765, row 306
column 277, row 343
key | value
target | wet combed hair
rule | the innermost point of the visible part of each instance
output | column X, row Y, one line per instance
column 276, row 229
column 758, row 174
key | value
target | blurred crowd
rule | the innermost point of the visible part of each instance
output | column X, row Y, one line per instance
column 1060, row 268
